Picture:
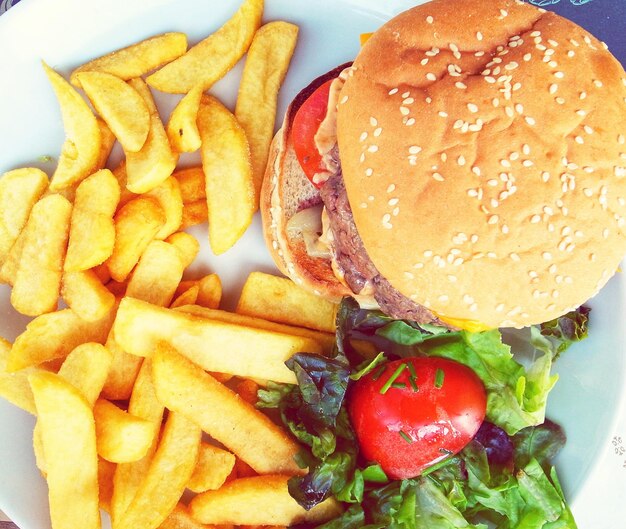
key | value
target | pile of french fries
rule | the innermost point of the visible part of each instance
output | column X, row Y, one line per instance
column 143, row 389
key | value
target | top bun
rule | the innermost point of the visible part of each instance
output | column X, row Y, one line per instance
column 484, row 157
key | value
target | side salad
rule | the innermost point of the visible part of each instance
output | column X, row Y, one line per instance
column 503, row 476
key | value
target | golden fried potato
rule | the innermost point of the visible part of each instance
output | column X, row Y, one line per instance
column 107, row 140
column 181, row 128
column 122, row 373
column 15, row 387
column 184, row 387
column 137, row 59
column 188, row 297
column 81, row 151
column 126, row 195
column 86, row 295
column 8, row 271
column 136, row 225
column 169, row 197
column 194, row 213
column 38, row 279
column 279, row 299
column 106, row 471
column 213, row 467
column 92, row 231
column 169, row 472
column 155, row 161
column 187, row 245
column 120, row 106
column 86, row 368
column 121, row 436
column 228, row 171
column 55, row 335
column 252, row 352
column 210, row 59
column 210, row 291
column 192, row 187
column 68, row 435
column 260, row 500
column 266, row 65
column 180, row 518
column 20, row 189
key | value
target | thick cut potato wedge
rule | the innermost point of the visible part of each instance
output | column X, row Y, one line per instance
column 122, row 373
column 182, row 129
column 169, row 472
column 280, row 299
column 69, row 442
column 106, row 471
column 55, row 335
column 121, row 107
column 136, row 225
column 137, row 59
column 122, row 437
column 107, row 140
column 228, row 172
column 188, row 297
column 180, row 518
column 155, row 161
column 126, row 194
column 252, row 352
column 169, row 198
column 86, row 295
column 265, row 69
column 187, row 246
column 38, row 278
column 192, row 187
column 194, row 213
column 184, row 387
column 81, row 151
column 260, row 500
column 92, row 231
column 210, row 59
column 214, row 466
column 20, row 189
column 15, row 387
column 86, row 368
column 128, row 476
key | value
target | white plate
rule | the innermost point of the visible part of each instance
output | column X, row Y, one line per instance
column 65, row 33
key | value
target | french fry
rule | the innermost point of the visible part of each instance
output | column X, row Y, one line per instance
column 86, row 368
column 279, row 299
column 8, row 272
column 180, row 518
column 266, row 65
column 187, row 246
column 117, row 288
column 106, row 471
column 92, row 231
column 55, row 335
column 248, row 390
column 260, row 500
column 155, row 161
column 137, row 59
column 210, row 59
column 184, row 387
column 209, row 292
column 128, row 476
column 69, row 443
column 157, row 274
column 188, row 297
column 213, row 467
column 326, row 340
column 191, row 180
column 15, row 387
column 136, row 225
column 86, row 295
column 126, row 195
column 81, row 150
column 107, row 140
column 102, row 272
column 20, row 189
column 122, row 373
column 181, row 127
column 194, row 213
column 228, row 172
column 38, row 278
column 121, row 107
column 169, row 472
column 252, row 352
column 169, row 198
column 121, row 437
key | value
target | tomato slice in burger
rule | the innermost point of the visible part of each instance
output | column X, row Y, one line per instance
column 305, row 125
column 409, row 414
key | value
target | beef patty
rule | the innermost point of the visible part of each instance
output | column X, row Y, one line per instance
column 354, row 261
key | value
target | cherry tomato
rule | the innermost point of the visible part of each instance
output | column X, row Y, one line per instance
column 305, row 125
column 415, row 412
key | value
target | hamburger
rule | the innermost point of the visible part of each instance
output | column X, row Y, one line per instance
column 468, row 169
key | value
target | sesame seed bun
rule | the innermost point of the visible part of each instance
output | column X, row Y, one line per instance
column 483, row 153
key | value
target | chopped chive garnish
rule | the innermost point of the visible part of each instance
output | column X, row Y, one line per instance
column 439, row 376
column 378, row 373
column 392, row 378
column 405, row 437
column 398, row 385
column 412, row 369
column 413, row 384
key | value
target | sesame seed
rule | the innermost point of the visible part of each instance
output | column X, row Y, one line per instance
column 431, row 76
column 363, row 205
column 461, row 160
column 553, row 88
column 583, row 95
column 559, row 75
column 406, row 94
column 418, row 266
column 511, row 66
column 429, row 19
column 415, row 149
column 530, row 121
column 460, row 85
column 579, row 140
column 362, row 157
column 372, row 148
column 598, row 83
column 472, row 107
column 393, row 91
column 476, row 170
column 528, row 163
column 527, row 57
column 493, row 219
column 443, row 114
column 408, row 101
column 588, row 129
column 559, row 100
column 504, row 13
column 369, row 171
column 505, row 163
column 373, row 122
column 410, row 122
column 395, row 211
column 386, row 218
column 621, row 139
column 393, row 201
column 489, row 79
column 424, row 61
column 519, row 108
column 546, row 255
column 438, row 177
column 535, row 219
column 404, row 111
column 363, row 136
column 509, row 111
column 581, row 112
